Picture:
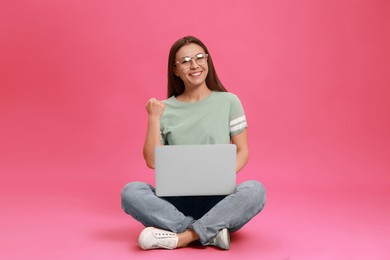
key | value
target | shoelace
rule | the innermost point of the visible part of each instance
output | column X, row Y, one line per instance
column 165, row 235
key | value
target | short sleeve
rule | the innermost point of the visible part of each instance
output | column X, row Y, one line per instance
column 237, row 117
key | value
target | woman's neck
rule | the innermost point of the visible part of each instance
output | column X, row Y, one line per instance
column 194, row 94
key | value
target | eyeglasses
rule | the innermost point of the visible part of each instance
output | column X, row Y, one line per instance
column 200, row 59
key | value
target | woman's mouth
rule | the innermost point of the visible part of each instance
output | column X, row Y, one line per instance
column 195, row 74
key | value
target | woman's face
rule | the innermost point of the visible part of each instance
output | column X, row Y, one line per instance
column 191, row 66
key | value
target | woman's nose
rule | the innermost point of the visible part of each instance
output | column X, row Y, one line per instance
column 193, row 63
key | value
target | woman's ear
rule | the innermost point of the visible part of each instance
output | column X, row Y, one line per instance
column 174, row 69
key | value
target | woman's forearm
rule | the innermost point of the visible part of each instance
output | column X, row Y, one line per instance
column 152, row 140
column 241, row 159
column 241, row 142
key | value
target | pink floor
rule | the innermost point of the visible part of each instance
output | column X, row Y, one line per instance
column 314, row 219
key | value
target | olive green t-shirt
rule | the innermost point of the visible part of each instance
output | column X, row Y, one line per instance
column 212, row 120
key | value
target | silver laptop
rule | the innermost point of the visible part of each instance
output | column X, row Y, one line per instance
column 195, row 170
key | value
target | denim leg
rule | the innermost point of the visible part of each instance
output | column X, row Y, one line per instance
column 140, row 201
column 233, row 212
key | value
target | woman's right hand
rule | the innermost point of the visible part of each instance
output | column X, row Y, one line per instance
column 155, row 107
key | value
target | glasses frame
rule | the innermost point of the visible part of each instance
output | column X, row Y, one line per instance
column 188, row 59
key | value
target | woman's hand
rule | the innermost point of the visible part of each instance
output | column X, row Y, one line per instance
column 155, row 107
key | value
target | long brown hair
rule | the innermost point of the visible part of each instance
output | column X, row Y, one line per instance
column 175, row 83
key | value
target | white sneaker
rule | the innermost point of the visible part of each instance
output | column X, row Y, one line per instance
column 221, row 240
column 152, row 238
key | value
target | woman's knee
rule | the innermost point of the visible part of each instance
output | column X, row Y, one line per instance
column 255, row 191
column 132, row 192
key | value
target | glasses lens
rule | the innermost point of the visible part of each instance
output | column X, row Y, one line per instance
column 200, row 59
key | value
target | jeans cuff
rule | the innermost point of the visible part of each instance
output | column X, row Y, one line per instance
column 187, row 223
column 204, row 240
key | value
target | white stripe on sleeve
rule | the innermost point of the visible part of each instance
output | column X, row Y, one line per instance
column 238, row 120
column 238, row 127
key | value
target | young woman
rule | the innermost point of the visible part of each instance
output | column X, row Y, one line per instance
column 198, row 110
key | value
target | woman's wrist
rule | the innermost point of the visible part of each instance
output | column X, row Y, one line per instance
column 154, row 118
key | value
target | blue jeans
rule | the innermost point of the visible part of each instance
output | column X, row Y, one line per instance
column 206, row 215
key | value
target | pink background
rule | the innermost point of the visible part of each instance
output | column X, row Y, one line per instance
column 312, row 76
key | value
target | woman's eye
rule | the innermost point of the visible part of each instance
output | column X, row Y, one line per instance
column 186, row 60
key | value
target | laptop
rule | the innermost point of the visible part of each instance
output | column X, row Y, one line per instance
column 195, row 170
